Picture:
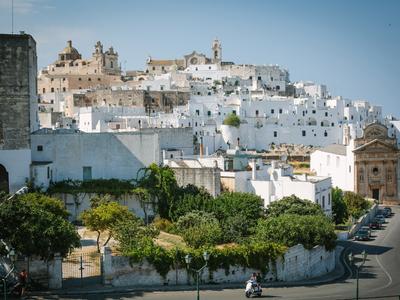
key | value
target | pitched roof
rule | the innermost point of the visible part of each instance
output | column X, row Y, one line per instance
column 335, row 149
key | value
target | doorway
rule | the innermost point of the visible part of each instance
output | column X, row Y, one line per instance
column 375, row 194
column 4, row 184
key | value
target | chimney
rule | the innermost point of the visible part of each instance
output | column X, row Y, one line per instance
column 201, row 147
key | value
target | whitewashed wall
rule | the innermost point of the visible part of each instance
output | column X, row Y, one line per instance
column 297, row 264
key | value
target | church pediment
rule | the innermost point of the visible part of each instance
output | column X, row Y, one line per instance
column 375, row 146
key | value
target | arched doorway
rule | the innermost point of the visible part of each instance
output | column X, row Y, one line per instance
column 4, row 185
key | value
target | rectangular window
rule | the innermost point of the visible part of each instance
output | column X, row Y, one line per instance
column 259, row 77
column 280, row 110
column 87, row 173
column 234, row 112
column 208, row 113
column 48, row 172
column 272, row 111
column 39, row 148
column 303, row 133
column 313, row 111
column 197, row 112
column 275, row 133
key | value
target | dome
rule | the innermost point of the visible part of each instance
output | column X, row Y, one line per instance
column 69, row 53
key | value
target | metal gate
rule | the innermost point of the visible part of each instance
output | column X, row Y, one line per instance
column 82, row 269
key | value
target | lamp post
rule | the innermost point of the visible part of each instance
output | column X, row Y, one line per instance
column 12, row 256
column 358, row 266
column 188, row 260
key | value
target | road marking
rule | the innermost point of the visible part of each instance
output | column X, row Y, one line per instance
column 381, row 266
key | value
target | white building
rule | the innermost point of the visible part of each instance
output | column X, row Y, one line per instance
column 69, row 154
column 337, row 162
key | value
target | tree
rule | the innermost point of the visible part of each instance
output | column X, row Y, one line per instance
column 339, row 208
column 190, row 198
column 232, row 120
column 199, row 229
column 356, row 204
column 290, row 230
column 161, row 183
column 131, row 233
column 37, row 225
column 293, row 205
column 237, row 212
column 104, row 217
column 145, row 199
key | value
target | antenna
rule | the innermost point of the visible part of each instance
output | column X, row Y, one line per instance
column 12, row 16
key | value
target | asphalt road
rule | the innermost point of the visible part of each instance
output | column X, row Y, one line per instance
column 379, row 277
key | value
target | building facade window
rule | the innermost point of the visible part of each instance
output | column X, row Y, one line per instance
column 303, row 133
column 39, row 148
column 86, row 173
column 275, row 133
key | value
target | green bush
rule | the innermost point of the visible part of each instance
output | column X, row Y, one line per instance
column 237, row 213
column 163, row 224
column 114, row 187
column 356, row 204
column 293, row 205
column 232, row 120
column 290, row 230
column 256, row 255
column 199, row 229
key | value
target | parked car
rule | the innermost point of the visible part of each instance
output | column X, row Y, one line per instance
column 384, row 212
column 367, row 228
column 361, row 235
column 374, row 225
column 380, row 219
column 388, row 210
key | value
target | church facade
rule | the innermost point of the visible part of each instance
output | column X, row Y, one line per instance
column 376, row 159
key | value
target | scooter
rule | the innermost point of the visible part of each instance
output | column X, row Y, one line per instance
column 253, row 288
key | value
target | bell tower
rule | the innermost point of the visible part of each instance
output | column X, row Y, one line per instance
column 217, row 51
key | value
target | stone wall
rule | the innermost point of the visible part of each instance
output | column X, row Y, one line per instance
column 46, row 273
column 76, row 204
column 17, row 91
column 297, row 264
column 209, row 178
column 364, row 220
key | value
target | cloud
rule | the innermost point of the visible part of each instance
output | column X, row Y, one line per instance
column 24, row 7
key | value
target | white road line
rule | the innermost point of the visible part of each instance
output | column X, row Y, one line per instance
column 381, row 266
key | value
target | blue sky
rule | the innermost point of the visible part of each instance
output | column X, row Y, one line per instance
column 352, row 46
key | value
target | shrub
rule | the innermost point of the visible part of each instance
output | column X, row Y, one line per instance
column 356, row 204
column 163, row 224
column 232, row 120
column 293, row 205
column 199, row 229
column 290, row 230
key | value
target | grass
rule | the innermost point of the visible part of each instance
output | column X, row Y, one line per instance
column 169, row 241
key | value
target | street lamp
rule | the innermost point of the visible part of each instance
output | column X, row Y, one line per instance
column 12, row 256
column 358, row 266
column 188, row 260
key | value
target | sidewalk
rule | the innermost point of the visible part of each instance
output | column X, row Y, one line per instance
column 336, row 274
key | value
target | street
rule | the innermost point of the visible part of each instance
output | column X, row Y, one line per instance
column 379, row 277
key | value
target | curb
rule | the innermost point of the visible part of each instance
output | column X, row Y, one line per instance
column 336, row 274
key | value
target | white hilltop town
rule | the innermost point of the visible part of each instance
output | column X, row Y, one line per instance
column 222, row 125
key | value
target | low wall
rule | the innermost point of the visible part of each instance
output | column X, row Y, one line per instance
column 364, row 220
column 76, row 204
column 46, row 273
column 297, row 264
